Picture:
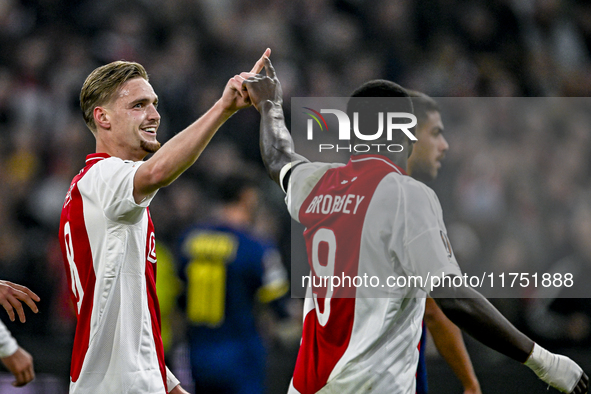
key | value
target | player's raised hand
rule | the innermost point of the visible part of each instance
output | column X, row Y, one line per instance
column 11, row 296
column 258, row 66
column 235, row 95
column 264, row 88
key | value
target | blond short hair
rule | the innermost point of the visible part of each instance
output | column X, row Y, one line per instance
column 103, row 83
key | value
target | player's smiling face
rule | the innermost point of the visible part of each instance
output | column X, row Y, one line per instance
column 134, row 118
column 429, row 150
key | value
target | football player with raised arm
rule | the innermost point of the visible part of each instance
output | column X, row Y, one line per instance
column 106, row 233
column 390, row 224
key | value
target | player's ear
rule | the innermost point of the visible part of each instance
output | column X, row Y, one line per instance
column 101, row 117
column 410, row 146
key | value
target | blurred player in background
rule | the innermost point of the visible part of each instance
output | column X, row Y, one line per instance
column 106, row 233
column 16, row 359
column 423, row 165
column 228, row 270
column 351, row 345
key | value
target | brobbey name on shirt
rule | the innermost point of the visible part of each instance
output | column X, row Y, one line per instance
column 327, row 204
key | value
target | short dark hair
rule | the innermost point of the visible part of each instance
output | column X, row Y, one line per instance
column 422, row 104
column 363, row 101
column 232, row 186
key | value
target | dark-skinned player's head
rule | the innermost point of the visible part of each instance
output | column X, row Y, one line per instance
column 375, row 97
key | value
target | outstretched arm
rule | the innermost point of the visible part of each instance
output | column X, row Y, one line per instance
column 450, row 344
column 275, row 140
column 470, row 311
column 181, row 151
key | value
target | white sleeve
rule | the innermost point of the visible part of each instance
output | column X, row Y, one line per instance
column 171, row 380
column 301, row 182
column 428, row 248
column 8, row 345
column 113, row 183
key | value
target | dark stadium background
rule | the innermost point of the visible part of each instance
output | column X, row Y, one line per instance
column 527, row 201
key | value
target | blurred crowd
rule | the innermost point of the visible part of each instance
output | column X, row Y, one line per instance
column 514, row 194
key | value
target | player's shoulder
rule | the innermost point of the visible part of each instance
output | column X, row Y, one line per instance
column 114, row 162
column 305, row 176
column 108, row 166
column 255, row 243
column 411, row 186
column 418, row 188
column 313, row 169
column 413, row 192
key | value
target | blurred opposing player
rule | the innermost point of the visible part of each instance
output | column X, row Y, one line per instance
column 391, row 225
column 228, row 270
column 106, row 233
column 423, row 165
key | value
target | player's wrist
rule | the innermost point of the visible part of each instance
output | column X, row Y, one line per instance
column 223, row 109
column 558, row 371
column 472, row 384
column 473, row 388
column 268, row 105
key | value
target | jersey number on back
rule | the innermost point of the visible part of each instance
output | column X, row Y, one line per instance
column 324, row 235
column 75, row 278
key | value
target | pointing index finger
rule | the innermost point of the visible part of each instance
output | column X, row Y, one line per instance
column 258, row 66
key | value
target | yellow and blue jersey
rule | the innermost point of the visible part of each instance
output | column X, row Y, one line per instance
column 227, row 271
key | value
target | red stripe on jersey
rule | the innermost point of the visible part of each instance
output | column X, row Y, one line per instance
column 153, row 304
column 338, row 205
column 419, row 349
column 420, row 339
column 79, row 267
column 322, row 347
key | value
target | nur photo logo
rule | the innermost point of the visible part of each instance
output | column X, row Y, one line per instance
column 388, row 123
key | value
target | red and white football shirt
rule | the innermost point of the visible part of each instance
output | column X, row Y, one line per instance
column 108, row 246
column 366, row 218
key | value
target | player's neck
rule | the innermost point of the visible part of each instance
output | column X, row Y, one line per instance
column 400, row 160
column 113, row 149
